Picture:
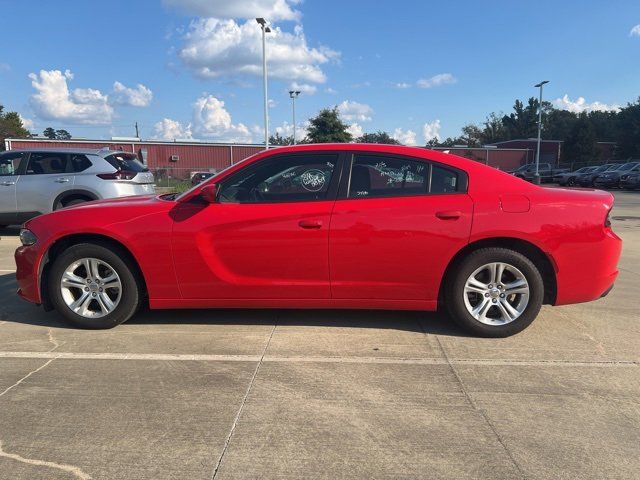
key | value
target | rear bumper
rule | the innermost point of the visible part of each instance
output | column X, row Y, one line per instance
column 590, row 271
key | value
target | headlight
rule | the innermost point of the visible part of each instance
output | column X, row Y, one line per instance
column 27, row 237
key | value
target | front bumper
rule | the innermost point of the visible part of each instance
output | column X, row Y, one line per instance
column 28, row 274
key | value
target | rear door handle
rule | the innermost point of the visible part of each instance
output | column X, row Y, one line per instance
column 449, row 214
column 310, row 224
column 62, row 180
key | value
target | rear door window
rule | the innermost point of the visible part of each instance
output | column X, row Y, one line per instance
column 47, row 163
column 11, row 162
column 126, row 162
column 382, row 176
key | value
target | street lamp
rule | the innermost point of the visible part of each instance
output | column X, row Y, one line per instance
column 536, row 177
column 294, row 94
column 265, row 30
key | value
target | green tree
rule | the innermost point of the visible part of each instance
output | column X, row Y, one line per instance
column 494, row 130
column 559, row 124
column 279, row 140
column 523, row 122
column 627, row 133
column 49, row 133
column 580, row 146
column 62, row 135
column 11, row 126
column 327, row 127
column 378, row 137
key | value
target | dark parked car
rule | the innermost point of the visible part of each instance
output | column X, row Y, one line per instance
column 545, row 170
column 612, row 179
column 630, row 181
column 200, row 177
column 586, row 180
column 569, row 178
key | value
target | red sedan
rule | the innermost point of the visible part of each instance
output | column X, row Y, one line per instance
column 329, row 226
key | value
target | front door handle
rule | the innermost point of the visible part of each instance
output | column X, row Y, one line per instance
column 310, row 224
column 8, row 184
column 62, row 180
column 449, row 214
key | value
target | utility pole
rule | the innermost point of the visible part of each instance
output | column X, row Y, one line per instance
column 294, row 94
column 536, row 176
column 265, row 30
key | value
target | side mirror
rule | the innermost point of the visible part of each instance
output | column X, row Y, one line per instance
column 209, row 193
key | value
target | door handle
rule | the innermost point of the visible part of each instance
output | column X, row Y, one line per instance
column 310, row 224
column 449, row 214
column 8, row 184
column 62, row 180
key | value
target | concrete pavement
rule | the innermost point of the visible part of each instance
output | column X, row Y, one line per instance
column 323, row 394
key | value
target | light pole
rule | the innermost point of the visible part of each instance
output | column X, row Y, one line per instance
column 265, row 30
column 536, row 177
column 294, row 94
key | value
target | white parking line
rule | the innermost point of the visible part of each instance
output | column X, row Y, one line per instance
column 312, row 359
column 7, row 271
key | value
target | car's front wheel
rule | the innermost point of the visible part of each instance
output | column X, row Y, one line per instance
column 494, row 292
column 93, row 287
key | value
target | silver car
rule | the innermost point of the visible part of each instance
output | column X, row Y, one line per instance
column 33, row 182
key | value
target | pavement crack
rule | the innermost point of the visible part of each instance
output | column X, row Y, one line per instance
column 75, row 471
column 242, row 404
column 475, row 406
column 8, row 389
column 52, row 340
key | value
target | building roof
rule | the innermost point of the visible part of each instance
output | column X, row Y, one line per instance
column 129, row 142
column 526, row 140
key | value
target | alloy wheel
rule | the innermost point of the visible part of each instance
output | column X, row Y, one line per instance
column 91, row 288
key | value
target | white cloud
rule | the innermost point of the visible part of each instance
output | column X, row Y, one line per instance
column 581, row 105
column 402, row 85
column 54, row 101
column 168, row 129
column 304, row 88
column 355, row 130
column 354, row 111
column 437, row 80
column 330, row 91
column 272, row 103
column 212, row 121
column 216, row 48
column 27, row 123
column 246, row 9
column 431, row 130
column 286, row 130
column 407, row 137
column 136, row 97
column 635, row 31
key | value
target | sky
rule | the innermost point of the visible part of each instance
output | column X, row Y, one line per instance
column 416, row 69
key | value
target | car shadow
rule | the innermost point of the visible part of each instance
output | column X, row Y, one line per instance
column 11, row 231
column 15, row 310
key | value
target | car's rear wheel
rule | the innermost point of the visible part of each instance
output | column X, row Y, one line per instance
column 91, row 286
column 494, row 292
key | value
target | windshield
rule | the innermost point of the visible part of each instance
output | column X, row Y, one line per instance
column 627, row 167
column 613, row 168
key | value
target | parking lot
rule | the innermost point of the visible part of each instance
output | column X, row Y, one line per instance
column 323, row 394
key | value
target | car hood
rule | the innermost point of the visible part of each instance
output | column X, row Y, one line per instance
column 132, row 201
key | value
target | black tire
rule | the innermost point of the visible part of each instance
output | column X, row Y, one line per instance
column 462, row 270
column 571, row 182
column 131, row 291
column 70, row 203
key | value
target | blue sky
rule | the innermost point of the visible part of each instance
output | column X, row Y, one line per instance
column 192, row 68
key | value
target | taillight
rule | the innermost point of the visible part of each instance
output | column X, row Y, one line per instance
column 119, row 175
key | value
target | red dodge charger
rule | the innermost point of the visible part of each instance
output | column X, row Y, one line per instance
column 329, row 226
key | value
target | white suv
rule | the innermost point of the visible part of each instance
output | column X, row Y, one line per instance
column 33, row 182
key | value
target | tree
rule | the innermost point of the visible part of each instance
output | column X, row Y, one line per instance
column 559, row 124
column 628, row 131
column 494, row 130
column 378, row 137
column 11, row 126
column 523, row 122
column 279, row 140
column 62, row 135
column 49, row 133
column 580, row 146
column 327, row 127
